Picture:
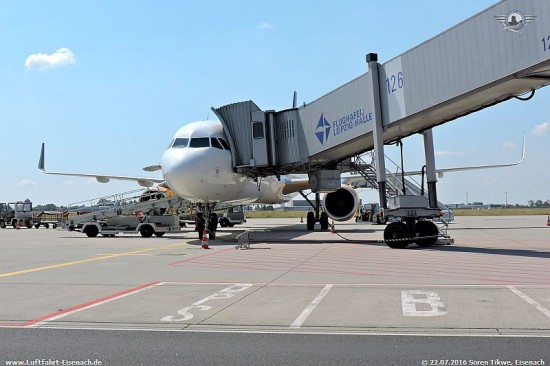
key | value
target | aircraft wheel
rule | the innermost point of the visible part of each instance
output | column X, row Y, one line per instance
column 200, row 230
column 2, row 225
column 212, row 226
column 426, row 228
column 323, row 220
column 310, row 220
column 36, row 226
column 47, row 226
column 146, row 231
column 395, row 234
column 91, row 231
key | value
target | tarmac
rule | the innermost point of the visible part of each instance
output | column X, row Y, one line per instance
column 493, row 280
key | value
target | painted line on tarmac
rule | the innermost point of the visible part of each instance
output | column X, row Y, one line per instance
column 536, row 304
column 426, row 333
column 297, row 323
column 53, row 266
column 85, row 306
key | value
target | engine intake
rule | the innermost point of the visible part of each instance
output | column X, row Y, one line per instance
column 342, row 204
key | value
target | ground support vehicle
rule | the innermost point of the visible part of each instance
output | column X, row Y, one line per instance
column 155, row 215
column 232, row 216
column 17, row 214
column 49, row 218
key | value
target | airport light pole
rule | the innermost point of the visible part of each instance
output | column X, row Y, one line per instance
column 506, row 199
column 466, row 198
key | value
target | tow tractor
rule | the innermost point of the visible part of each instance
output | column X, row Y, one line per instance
column 16, row 214
column 149, row 213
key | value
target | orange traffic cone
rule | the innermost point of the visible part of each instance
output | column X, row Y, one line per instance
column 204, row 242
column 548, row 221
column 332, row 229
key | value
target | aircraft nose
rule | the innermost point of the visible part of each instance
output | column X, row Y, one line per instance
column 182, row 172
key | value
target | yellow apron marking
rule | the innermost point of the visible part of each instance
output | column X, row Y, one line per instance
column 83, row 261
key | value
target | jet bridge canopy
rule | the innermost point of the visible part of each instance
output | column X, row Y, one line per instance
column 502, row 52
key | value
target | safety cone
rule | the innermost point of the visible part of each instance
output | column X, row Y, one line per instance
column 332, row 229
column 548, row 221
column 204, row 242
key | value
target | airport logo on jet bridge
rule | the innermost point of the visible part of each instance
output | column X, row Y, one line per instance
column 514, row 20
column 323, row 130
column 341, row 125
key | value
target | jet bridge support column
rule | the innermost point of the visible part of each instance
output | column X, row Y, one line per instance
column 430, row 167
column 378, row 129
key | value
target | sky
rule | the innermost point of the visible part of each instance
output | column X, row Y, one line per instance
column 105, row 84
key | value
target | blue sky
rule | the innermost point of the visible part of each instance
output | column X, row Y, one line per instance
column 125, row 75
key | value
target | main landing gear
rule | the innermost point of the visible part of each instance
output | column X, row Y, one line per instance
column 317, row 216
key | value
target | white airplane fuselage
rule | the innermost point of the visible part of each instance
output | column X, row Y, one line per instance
column 197, row 166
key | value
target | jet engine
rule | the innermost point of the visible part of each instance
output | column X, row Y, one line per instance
column 342, row 204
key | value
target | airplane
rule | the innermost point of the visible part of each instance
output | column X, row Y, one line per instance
column 197, row 166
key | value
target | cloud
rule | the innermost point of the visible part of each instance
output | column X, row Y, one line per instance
column 26, row 183
column 449, row 153
column 265, row 26
column 542, row 129
column 42, row 61
column 509, row 145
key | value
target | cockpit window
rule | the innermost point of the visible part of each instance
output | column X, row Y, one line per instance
column 180, row 142
column 215, row 143
column 224, row 144
column 199, row 142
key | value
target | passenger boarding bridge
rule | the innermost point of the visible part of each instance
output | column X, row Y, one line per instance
column 502, row 52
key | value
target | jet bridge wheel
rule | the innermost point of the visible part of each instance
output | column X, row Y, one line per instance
column 426, row 229
column 396, row 235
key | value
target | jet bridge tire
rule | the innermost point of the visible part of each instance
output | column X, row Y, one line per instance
column 310, row 221
column 323, row 221
column 426, row 228
column 396, row 234
column 146, row 231
column 91, row 231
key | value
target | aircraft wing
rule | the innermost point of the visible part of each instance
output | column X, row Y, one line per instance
column 102, row 178
column 442, row 171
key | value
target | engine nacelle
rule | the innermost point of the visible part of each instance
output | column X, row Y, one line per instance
column 342, row 204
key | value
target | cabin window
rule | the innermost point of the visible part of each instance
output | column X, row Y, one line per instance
column 180, row 142
column 199, row 142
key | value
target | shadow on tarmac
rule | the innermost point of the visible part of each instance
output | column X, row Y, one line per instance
column 493, row 251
